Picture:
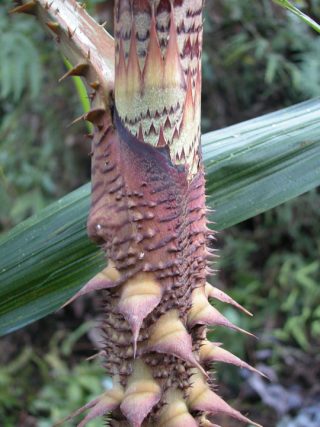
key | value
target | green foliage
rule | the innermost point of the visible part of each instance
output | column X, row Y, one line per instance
column 53, row 380
column 20, row 64
column 296, row 272
column 270, row 265
column 37, row 156
column 270, row 57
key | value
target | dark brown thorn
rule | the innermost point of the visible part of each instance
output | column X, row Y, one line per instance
column 78, row 70
column 95, row 115
column 28, row 7
column 70, row 32
column 48, row 5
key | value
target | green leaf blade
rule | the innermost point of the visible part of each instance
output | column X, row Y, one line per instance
column 262, row 163
column 286, row 4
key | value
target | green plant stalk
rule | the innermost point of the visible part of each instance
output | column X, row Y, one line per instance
column 305, row 18
column 82, row 93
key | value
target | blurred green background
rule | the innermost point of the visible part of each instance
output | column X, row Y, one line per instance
column 257, row 58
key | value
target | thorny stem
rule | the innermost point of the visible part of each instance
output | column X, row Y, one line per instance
column 85, row 43
column 148, row 210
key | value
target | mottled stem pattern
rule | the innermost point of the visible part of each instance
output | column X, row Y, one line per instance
column 158, row 75
column 148, row 214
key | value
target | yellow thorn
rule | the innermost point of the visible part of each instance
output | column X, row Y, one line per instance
column 110, row 272
column 175, row 411
column 54, row 27
column 141, row 395
column 95, row 85
column 202, row 398
column 139, row 296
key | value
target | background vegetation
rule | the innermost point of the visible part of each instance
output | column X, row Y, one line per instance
column 257, row 58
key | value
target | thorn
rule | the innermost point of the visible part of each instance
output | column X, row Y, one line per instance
column 209, row 352
column 95, row 356
column 28, row 7
column 94, row 116
column 95, row 85
column 203, row 313
column 201, row 398
column 107, row 278
column 170, row 336
column 175, row 412
column 47, row 6
column 54, row 27
column 216, row 293
column 78, row 119
column 79, row 411
column 141, row 395
column 70, row 32
column 106, row 402
column 204, row 422
column 139, row 297
column 78, row 70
